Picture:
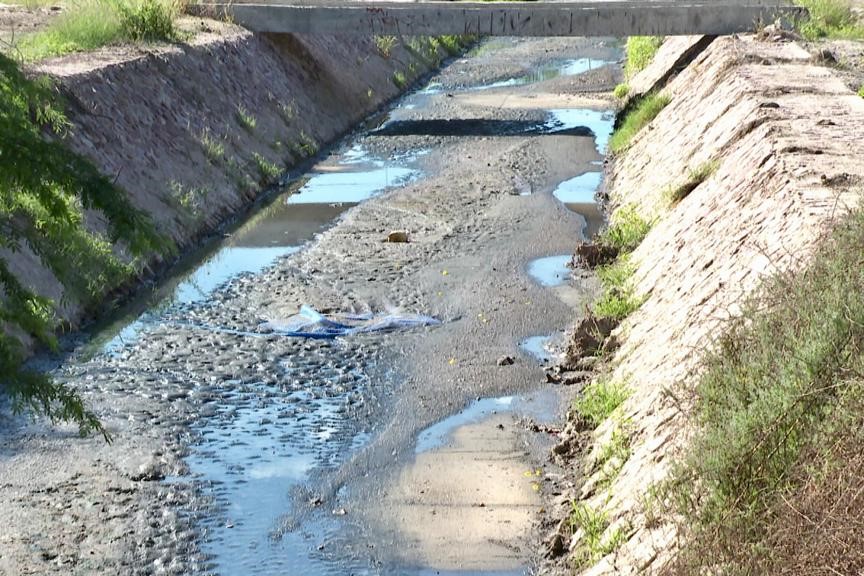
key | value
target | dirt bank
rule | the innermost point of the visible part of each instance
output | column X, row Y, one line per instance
column 194, row 132
column 784, row 134
column 319, row 438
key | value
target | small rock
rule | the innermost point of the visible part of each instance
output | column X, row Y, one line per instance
column 149, row 472
column 825, row 56
column 398, row 236
column 505, row 361
column 340, row 512
column 555, row 546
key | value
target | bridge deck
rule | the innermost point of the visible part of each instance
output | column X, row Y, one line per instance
column 568, row 18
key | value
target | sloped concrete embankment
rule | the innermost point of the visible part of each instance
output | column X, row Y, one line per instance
column 785, row 135
column 194, row 132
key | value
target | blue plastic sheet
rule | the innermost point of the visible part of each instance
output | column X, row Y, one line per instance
column 309, row 323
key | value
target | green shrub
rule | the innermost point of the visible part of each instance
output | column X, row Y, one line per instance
column 627, row 229
column 830, row 19
column 640, row 51
column 599, row 399
column 44, row 192
column 149, row 20
column 399, row 79
column 621, row 91
column 639, row 116
column 767, row 390
column 91, row 24
column 861, row 91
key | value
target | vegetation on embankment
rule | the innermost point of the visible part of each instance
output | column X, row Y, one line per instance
column 638, row 116
column 772, row 480
column 90, row 24
column 626, row 231
column 639, row 52
column 830, row 19
column 44, row 191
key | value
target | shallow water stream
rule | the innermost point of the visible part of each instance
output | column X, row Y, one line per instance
column 267, row 440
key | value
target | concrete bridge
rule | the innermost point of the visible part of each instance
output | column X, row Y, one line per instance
column 542, row 18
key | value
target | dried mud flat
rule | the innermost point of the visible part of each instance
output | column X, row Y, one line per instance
column 347, row 413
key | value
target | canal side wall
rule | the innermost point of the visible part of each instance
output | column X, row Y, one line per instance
column 195, row 132
column 784, row 135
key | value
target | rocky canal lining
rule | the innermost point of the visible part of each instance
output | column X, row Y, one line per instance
column 784, row 135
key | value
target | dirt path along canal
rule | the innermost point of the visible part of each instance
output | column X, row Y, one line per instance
column 240, row 449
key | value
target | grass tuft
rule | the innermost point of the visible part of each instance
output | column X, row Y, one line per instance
column 621, row 91
column 695, row 177
column 268, row 171
column 213, row 148
column 399, row 79
column 246, row 119
column 642, row 113
column 614, row 454
column 617, row 299
column 861, row 91
column 640, row 53
column 385, row 45
column 597, row 541
column 599, row 399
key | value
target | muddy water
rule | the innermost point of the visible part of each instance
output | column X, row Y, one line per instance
column 280, row 442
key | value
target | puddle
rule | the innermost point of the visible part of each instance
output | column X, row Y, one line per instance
column 356, row 177
column 549, row 72
column 577, row 194
column 539, row 348
column 550, row 271
column 436, row 435
column 579, row 190
column 542, row 406
column 600, row 123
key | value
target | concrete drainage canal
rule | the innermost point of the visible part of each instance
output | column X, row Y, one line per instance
column 414, row 449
